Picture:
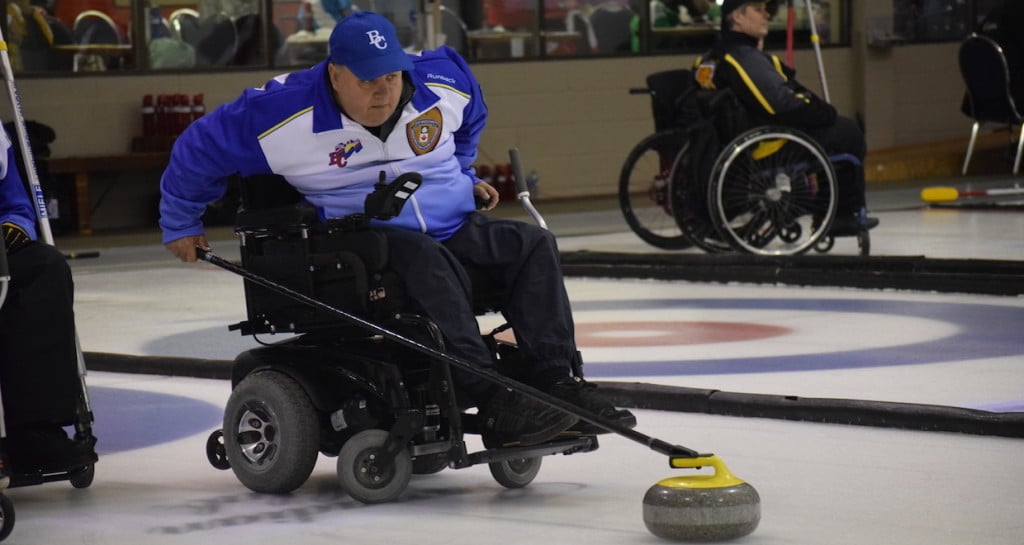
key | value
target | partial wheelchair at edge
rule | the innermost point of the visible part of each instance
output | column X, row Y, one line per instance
column 334, row 387
column 28, row 469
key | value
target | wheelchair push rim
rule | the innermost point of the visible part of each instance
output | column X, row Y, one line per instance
column 773, row 192
column 645, row 190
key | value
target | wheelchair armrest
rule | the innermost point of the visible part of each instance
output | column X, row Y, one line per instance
column 298, row 214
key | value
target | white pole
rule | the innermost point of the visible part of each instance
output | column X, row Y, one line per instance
column 817, row 50
column 26, row 150
column 433, row 24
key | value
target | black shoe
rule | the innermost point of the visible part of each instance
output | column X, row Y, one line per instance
column 852, row 224
column 48, row 449
column 584, row 394
column 512, row 418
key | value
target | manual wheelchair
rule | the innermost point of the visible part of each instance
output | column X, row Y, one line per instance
column 13, row 475
column 705, row 178
column 385, row 409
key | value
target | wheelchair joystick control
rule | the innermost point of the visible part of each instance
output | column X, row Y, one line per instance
column 387, row 200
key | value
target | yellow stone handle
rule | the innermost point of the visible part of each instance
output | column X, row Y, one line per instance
column 720, row 479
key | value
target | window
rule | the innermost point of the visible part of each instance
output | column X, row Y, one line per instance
column 923, row 21
column 75, row 36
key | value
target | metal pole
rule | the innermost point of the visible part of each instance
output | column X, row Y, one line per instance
column 790, row 15
column 817, row 50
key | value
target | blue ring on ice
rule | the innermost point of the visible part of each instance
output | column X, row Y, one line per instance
column 982, row 332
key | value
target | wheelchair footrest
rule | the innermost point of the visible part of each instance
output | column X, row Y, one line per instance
column 583, row 443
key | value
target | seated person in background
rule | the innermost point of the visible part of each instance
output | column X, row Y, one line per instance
column 696, row 10
column 772, row 96
column 322, row 14
column 230, row 9
column 38, row 356
column 165, row 53
column 370, row 107
column 30, row 36
column 337, row 9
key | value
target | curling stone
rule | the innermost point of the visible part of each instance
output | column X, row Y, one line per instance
column 716, row 507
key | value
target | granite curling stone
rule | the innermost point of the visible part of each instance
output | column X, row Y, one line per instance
column 702, row 508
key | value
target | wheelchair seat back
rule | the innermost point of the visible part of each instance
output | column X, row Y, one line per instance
column 283, row 240
column 720, row 118
column 669, row 91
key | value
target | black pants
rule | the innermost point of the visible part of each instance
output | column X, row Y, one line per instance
column 38, row 358
column 845, row 137
column 521, row 258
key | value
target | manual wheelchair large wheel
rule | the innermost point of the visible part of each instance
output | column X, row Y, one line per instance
column 644, row 186
column 366, row 472
column 772, row 192
column 271, row 433
column 515, row 473
column 688, row 190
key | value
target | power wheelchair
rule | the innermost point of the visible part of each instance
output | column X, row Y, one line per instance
column 338, row 387
column 705, row 178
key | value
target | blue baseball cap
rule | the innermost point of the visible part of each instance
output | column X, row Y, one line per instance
column 366, row 44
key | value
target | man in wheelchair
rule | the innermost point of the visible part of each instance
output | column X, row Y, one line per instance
column 331, row 131
column 771, row 95
column 41, row 387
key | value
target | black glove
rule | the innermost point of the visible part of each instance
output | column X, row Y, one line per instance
column 15, row 238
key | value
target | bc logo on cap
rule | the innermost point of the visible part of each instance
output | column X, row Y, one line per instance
column 376, row 40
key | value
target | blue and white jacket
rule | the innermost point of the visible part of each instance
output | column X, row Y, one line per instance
column 292, row 127
column 15, row 206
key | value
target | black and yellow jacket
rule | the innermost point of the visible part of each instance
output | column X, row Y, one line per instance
column 764, row 85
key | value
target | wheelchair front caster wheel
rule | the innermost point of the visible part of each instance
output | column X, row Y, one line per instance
column 515, row 473
column 215, row 451
column 6, row 516
column 82, row 478
column 825, row 244
column 368, row 473
column 864, row 243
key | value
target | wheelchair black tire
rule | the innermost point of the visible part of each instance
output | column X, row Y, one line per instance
column 6, row 516
column 643, row 190
column 772, row 192
column 515, row 473
column 362, row 474
column 283, row 427
column 82, row 477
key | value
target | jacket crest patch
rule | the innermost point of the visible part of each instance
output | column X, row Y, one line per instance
column 343, row 151
column 705, row 75
column 424, row 131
